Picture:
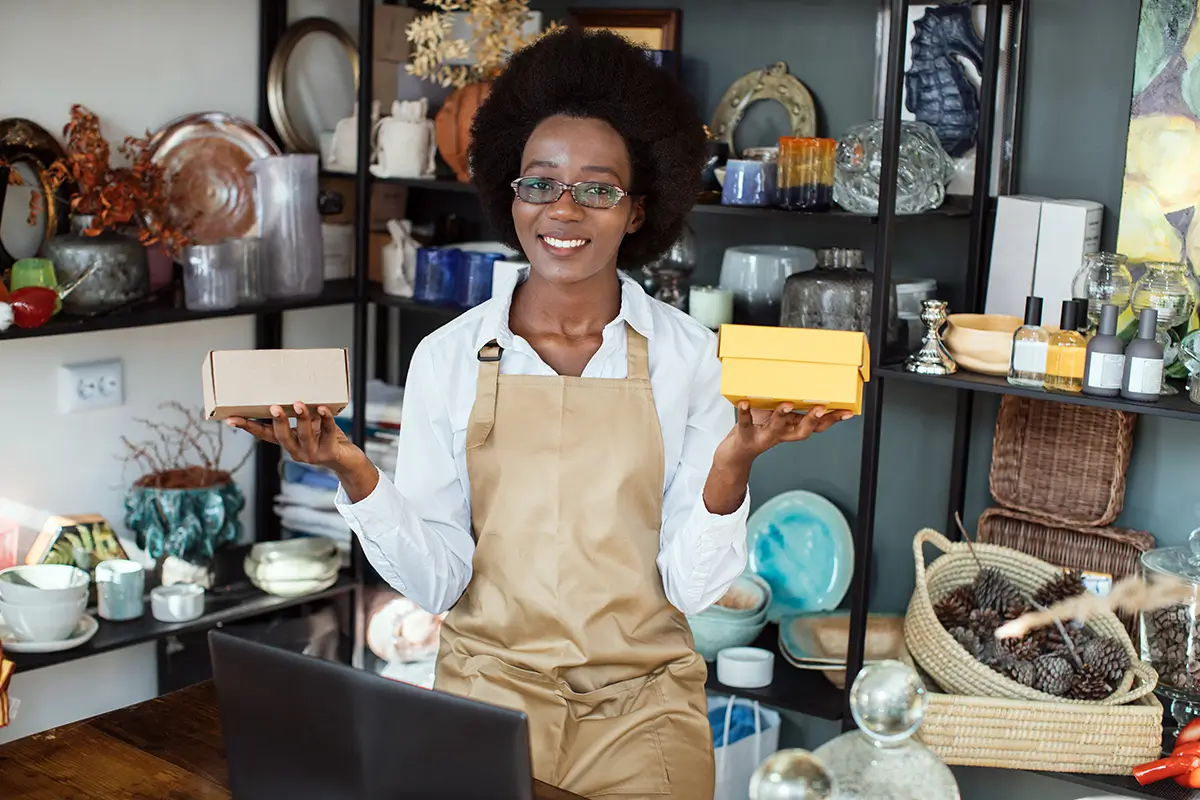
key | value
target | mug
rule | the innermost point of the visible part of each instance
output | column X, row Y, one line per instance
column 120, row 589
column 404, row 148
column 749, row 183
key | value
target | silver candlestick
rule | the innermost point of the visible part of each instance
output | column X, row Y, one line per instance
column 932, row 358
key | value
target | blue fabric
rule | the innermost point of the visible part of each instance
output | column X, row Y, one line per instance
column 295, row 472
column 741, row 724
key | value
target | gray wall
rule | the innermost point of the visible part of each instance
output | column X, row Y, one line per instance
column 1078, row 63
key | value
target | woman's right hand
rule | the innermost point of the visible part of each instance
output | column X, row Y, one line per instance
column 316, row 439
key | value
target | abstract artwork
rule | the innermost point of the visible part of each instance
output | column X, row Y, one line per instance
column 1161, row 191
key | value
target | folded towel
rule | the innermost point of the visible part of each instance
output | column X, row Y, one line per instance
column 304, row 495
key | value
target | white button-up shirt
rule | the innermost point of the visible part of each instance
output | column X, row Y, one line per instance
column 416, row 530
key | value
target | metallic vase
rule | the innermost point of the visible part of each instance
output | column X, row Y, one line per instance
column 121, row 275
column 933, row 358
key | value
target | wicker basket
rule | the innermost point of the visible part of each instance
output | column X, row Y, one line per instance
column 1065, row 463
column 953, row 668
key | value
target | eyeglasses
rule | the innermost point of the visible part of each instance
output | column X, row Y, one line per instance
column 589, row 194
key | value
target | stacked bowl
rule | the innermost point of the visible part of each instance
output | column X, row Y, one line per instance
column 43, row 602
column 735, row 620
column 293, row 567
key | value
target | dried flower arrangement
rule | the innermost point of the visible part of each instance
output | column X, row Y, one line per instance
column 496, row 27
column 169, row 458
column 114, row 197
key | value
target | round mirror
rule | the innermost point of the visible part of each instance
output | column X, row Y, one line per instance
column 312, row 82
column 23, row 218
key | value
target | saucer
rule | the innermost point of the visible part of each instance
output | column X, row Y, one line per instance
column 84, row 631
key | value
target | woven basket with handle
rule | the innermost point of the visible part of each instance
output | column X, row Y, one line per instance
column 953, row 668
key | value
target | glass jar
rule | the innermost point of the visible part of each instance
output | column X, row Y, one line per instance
column 835, row 296
column 923, row 171
column 1170, row 639
column 1189, row 354
column 1165, row 286
column 1103, row 278
column 881, row 759
column 806, row 173
column 669, row 275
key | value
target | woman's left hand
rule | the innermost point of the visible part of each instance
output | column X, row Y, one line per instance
column 758, row 430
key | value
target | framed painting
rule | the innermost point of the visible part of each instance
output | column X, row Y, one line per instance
column 943, row 63
column 1160, row 192
column 658, row 30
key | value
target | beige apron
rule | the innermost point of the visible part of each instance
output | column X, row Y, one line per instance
column 565, row 617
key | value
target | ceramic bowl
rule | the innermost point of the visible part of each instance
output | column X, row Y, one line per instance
column 293, row 567
column 747, row 599
column 981, row 342
column 43, row 584
column 50, row 622
column 714, row 634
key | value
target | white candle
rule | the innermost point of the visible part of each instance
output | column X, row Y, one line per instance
column 710, row 306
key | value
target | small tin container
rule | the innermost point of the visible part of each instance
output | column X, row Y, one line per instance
column 179, row 602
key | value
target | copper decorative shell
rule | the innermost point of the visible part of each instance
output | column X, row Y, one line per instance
column 293, row 140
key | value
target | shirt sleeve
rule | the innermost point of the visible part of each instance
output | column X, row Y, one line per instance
column 701, row 553
column 416, row 530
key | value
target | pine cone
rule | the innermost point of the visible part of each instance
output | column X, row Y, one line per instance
column 993, row 654
column 983, row 623
column 1023, row 672
column 1068, row 584
column 969, row 641
column 1055, row 645
column 1106, row 657
column 1052, row 675
column 954, row 610
column 1089, row 685
column 1026, row 648
column 996, row 592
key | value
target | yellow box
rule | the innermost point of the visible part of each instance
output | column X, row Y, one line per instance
column 805, row 367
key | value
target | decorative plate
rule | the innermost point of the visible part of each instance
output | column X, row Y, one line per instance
column 205, row 160
column 769, row 83
column 822, row 640
column 84, row 631
column 25, row 142
column 801, row 545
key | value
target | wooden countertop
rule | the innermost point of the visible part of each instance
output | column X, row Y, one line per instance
column 167, row 747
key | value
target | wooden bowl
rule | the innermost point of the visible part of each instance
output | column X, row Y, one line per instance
column 981, row 342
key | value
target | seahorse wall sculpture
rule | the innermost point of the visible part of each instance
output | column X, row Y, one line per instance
column 939, row 93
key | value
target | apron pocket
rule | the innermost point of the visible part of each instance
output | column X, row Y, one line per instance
column 614, row 740
column 493, row 681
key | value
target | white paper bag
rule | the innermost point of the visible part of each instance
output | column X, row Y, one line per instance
column 736, row 762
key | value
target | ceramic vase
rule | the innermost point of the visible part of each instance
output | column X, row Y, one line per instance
column 453, row 125
column 188, row 524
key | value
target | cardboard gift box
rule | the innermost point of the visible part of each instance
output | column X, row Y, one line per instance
column 802, row 366
column 246, row 383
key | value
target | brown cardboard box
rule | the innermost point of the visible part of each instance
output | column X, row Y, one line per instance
column 388, row 201
column 246, row 383
column 378, row 240
column 385, row 82
column 391, row 32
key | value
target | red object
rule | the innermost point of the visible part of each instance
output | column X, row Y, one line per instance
column 3, row 292
column 1188, row 749
column 1191, row 779
column 32, row 306
column 1172, row 767
column 1189, row 733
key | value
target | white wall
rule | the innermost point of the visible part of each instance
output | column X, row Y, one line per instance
column 136, row 64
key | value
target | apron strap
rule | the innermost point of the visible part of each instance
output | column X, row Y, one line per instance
column 637, row 355
column 483, row 413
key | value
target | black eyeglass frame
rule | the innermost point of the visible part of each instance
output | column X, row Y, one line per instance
column 569, row 187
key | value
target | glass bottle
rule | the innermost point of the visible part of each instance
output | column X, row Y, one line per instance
column 835, row 296
column 1066, row 354
column 1165, row 286
column 792, row 774
column 881, row 759
column 1027, row 366
column 1103, row 278
column 1142, row 376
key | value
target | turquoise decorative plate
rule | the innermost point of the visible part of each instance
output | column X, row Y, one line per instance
column 800, row 544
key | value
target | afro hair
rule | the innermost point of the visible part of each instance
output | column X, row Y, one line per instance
column 596, row 75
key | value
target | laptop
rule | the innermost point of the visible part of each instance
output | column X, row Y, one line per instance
column 299, row 727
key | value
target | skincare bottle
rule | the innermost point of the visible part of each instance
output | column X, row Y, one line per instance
column 1028, row 361
column 1105, row 357
column 1065, row 356
column 1142, row 379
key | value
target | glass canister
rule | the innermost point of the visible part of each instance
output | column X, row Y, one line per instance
column 289, row 222
column 1103, row 278
column 438, row 275
column 881, row 759
column 210, row 278
column 835, row 296
column 806, row 173
column 1170, row 638
column 1165, row 287
column 475, row 285
column 246, row 255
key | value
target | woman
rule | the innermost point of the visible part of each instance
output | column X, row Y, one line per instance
column 569, row 485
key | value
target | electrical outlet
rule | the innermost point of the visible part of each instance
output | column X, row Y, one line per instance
column 87, row 387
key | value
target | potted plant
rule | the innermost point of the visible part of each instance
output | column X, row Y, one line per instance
column 185, row 505
column 496, row 32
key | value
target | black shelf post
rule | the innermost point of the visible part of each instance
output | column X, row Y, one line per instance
column 864, row 524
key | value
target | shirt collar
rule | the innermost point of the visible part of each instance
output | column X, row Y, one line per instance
column 636, row 308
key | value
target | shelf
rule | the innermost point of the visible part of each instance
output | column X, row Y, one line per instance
column 1127, row 786
column 377, row 296
column 164, row 311
column 954, row 206
column 1177, row 407
column 239, row 604
column 806, row 691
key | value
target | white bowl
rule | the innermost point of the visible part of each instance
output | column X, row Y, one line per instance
column 43, row 623
column 43, row 584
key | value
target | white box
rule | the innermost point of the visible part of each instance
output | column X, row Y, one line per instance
column 1014, row 254
column 1069, row 229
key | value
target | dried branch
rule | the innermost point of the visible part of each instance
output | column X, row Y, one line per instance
column 184, row 455
column 1130, row 595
